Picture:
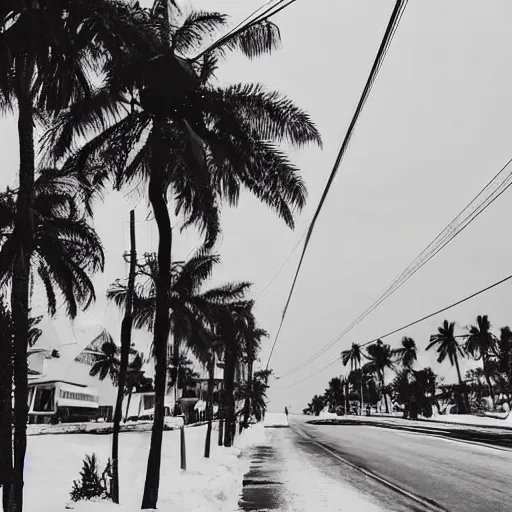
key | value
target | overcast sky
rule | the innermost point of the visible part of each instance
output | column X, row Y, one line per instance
column 436, row 128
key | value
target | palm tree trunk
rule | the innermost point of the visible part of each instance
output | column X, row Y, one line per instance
column 462, row 386
column 157, row 197
column 6, row 426
column 362, row 400
column 247, row 405
column 384, row 393
column 229, row 399
column 20, row 293
column 488, row 378
column 209, row 406
column 221, row 413
column 126, row 340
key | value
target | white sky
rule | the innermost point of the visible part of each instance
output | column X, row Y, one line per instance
column 434, row 131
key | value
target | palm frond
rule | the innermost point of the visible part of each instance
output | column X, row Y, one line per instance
column 271, row 115
column 197, row 26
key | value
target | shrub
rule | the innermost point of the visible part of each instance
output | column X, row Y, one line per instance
column 91, row 484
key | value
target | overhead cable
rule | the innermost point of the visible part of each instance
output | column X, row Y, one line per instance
column 410, row 324
column 381, row 54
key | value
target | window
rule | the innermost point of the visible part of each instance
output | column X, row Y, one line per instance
column 149, row 401
column 44, row 400
column 71, row 395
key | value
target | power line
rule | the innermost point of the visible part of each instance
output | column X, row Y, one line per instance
column 381, row 54
column 422, row 319
column 281, row 268
column 491, row 192
column 247, row 23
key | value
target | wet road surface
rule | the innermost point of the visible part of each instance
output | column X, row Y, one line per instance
column 304, row 468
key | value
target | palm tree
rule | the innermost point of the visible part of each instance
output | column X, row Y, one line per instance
column 66, row 252
column 193, row 311
column 407, row 354
column 39, row 76
column 353, row 355
column 382, row 356
column 200, row 141
column 503, row 352
column 252, row 339
column 259, row 395
column 481, row 343
column 447, row 346
column 107, row 363
column 231, row 324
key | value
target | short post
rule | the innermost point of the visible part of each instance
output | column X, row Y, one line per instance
column 183, row 451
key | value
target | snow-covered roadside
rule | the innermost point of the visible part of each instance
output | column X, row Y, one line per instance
column 100, row 428
column 208, row 485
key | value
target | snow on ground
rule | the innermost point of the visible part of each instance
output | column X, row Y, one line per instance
column 208, row 485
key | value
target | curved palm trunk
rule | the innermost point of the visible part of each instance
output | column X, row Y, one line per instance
column 462, row 386
column 157, row 191
column 6, row 389
column 209, row 407
column 126, row 340
column 20, row 293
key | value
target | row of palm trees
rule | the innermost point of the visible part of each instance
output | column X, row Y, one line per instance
column 477, row 342
column 157, row 120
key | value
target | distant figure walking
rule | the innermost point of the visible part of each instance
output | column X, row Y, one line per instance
column 286, row 411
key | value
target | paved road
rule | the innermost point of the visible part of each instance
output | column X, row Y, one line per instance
column 458, row 476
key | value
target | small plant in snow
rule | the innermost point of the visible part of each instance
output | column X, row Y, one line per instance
column 92, row 484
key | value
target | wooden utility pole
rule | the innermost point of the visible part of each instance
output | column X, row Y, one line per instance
column 126, row 339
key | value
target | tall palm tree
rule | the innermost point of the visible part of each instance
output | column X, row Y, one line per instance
column 382, row 356
column 39, row 76
column 200, row 141
column 447, row 347
column 353, row 355
column 407, row 354
column 481, row 343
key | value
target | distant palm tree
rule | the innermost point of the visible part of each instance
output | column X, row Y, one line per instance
column 447, row 346
column 382, row 356
column 353, row 355
column 252, row 340
column 503, row 352
column 407, row 354
column 259, row 395
column 107, row 363
column 481, row 344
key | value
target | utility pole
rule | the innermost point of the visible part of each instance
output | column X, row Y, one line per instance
column 126, row 339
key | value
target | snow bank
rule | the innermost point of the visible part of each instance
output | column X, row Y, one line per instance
column 208, row 485
column 171, row 423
